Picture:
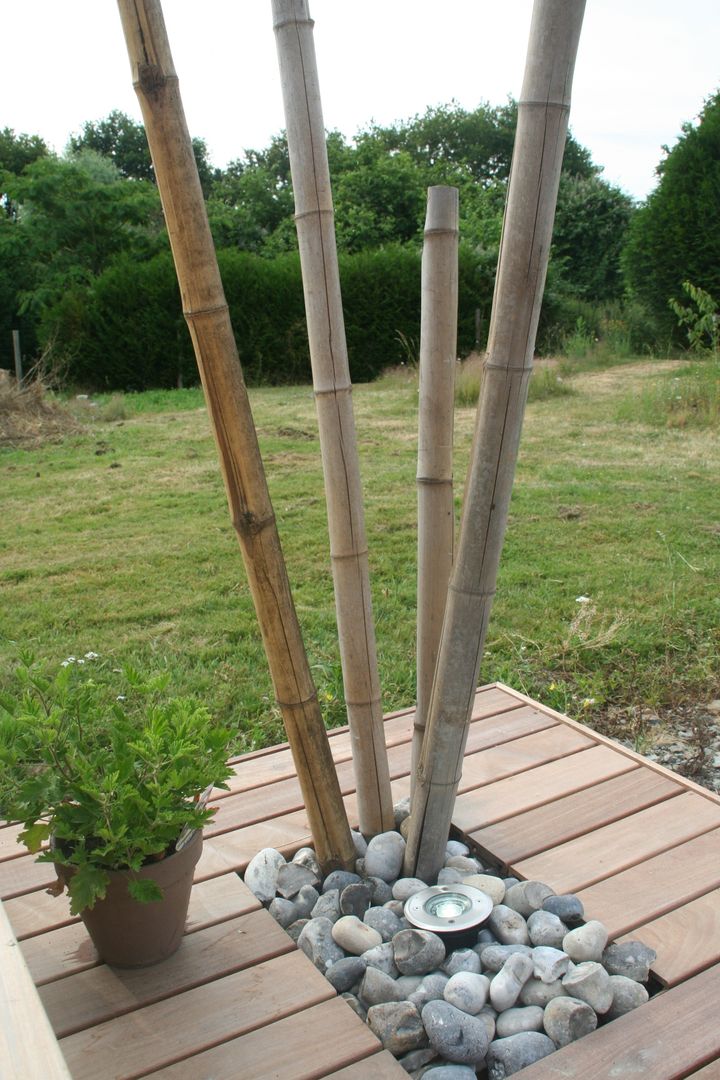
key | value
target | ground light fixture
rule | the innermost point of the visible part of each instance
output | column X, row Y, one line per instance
column 454, row 912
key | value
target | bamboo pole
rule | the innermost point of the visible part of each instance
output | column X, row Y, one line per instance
column 251, row 511
column 436, row 518
column 314, row 219
column 527, row 231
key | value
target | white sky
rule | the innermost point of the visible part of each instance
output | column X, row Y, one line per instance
column 644, row 67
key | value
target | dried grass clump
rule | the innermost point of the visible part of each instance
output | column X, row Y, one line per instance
column 30, row 416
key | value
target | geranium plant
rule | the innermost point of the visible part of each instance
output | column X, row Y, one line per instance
column 111, row 780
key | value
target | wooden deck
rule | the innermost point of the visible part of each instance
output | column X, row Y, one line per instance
column 540, row 794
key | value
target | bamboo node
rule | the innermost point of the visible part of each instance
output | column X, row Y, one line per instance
column 441, row 232
column 328, row 211
column 434, row 480
column 198, row 312
column 471, row 592
column 292, row 22
column 489, row 366
column 301, row 704
column 346, row 388
column 344, row 555
column 564, row 106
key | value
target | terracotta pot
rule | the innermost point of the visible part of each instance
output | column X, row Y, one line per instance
column 130, row 934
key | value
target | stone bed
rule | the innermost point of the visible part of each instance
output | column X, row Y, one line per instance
column 538, row 977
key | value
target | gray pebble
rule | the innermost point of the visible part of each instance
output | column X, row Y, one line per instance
column 397, row 907
column 283, row 911
column 508, row 1056
column 590, row 983
column 450, row 876
column 450, row 1072
column 456, row 1035
column 416, row 1059
column 405, row 887
column 456, row 847
column 409, row 984
column 627, row 995
column 510, row 881
column 306, row 900
column 509, row 981
column 467, row 991
column 384, row 921
column 567, row 1019
column 431, row 988
column 383, row 957
column 360, row 843
column 490, row 885
column 340, row 879
column 294, row 930
column 397, row 1026
column 377, row 988
column 629, row 958
column 586, row 942
column 262, row 873
column 466, row 864
column 537, row 992
column 291, row 878
column 493, row 957
column 508, row 925
column 549, row 964
column 566, row 906
column 380, row 891
column 515, row 1020
column 343, row 974
column 545, row 928
column 305, row 856
column 317, row 942
column 486, row 937
column 417, row 951
column 384, row 856
column 355, row 899
column 401, row 810
column 527, row 896
column 354, row 936
column 327, row 906
column 462, row 960
column 356, row 1006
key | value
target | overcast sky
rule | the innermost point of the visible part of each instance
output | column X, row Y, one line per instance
column 644, row 67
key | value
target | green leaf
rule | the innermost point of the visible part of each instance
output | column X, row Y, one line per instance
column 87, row 886
column 144, row 890
column 34, row 836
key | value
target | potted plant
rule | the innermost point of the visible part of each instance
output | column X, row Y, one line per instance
column 117, row 784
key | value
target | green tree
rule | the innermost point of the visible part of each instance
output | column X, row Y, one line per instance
column 675, row 236
column 591, row 224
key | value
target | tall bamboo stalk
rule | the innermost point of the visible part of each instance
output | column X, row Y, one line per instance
column 252, row 515
column 527, row 230
column 436, row 518
column 314, row 219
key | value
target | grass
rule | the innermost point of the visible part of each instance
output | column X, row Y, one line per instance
column 117, row 540
column 687, row 396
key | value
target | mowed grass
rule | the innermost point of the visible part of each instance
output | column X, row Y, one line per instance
column 118, row 541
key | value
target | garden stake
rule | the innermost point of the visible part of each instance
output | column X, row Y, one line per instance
column 436, row 518
column 522, row 264
column 314, row 218
column 252, row 515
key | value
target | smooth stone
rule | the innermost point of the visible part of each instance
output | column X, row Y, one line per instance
column 405, row 827
column 401, row 810
column 417, row 951
column 306, row 900
column 327, row 906
column 405, row 887
column 384, row 856
column 383, row 957
column 508, row 926
column 262, row 873
column 355, row 899
column 355, row 936
column 467, row 991
column 340, row 879
column 466, row 864
column 360, row 868
column 510, row 881
column 360, row 843
column 305, row 856
column 450, row 1072
column 317, row 942
column 380, row 891
column 384, row 921
column 431, row 988
column 292, row 877
column 537, row 992
column 485, row 937
column 283, row 911
column 356, row 1006
column 586, row 942
column 545, row 928
column 294, row 930
column 492, row 957
column 509, row 981
column 409, row 984
column 549, row 964
column 515, row 1020
column 493, row 887
column 398, row 1026
column 416, row 1059
column 566, row 906
column 462, row 960
column 377, row 988
column 343, row 974
column 456, row 847
column 629, row 958
column 590, row 983
column 567, row 1019
column 456, row 1035
column 448, row 875
column 489, row 1018
column 397, row 907
column 627, row 995
column 527, row 896
column 508, row 1056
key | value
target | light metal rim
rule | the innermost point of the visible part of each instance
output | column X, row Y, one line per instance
column 479, row 907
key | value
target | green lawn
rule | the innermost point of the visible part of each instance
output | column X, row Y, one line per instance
column 118, row 541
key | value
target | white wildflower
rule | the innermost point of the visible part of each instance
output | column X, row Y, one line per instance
column 120, row 697
column 582, row 599
column 92, row 656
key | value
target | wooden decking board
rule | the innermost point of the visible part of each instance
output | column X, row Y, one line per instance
column 381, row 1066
column 475, row 810
column 148, row 1039
column 656, row 886
column 686, row 939
column 573, row 815
column 666, row 1039
column 708, row 1072
column 297, row 1052
column 633, row 839
column 101, row 993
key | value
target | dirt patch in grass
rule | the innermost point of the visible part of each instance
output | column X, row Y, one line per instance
column 30, row 417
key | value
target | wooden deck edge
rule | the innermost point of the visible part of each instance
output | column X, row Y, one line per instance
column 28, row 1047
column 612, row 743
